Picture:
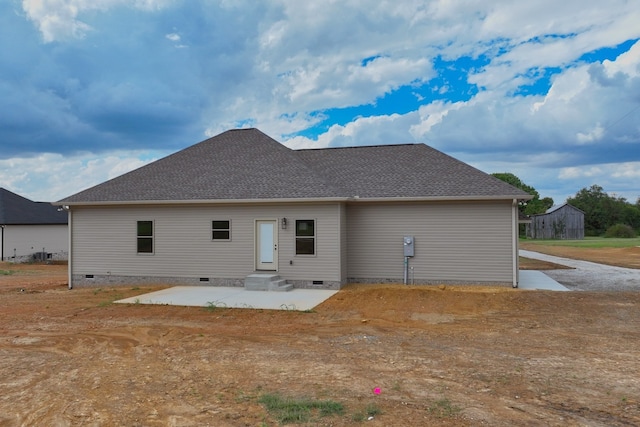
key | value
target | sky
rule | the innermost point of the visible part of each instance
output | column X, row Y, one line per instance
column 546, row 90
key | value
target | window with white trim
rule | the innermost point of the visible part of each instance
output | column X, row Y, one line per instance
column 145, row 237
column 221, row 230
column 305, row 237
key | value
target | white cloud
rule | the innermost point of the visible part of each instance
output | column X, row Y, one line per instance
column 433, row 114
column 279, row 65
column 578, row 110
column 579, row 172
column 342, row 83
column 592, row 136
column 627, row 170
column 618, row 178
column 546, row 34
column 176, row 39
column 309, row 58
column 50, row 177
column 626, row 63
column 58, row 20
column 375, row 130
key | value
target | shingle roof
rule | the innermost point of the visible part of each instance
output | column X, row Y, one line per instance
column 409, row 170
column 246, row 164
column 17, row 210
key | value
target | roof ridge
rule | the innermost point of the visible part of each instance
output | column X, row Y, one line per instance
column 360, row 146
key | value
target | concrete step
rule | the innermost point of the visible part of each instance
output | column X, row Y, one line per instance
column 280, row 285
column 259, row 281
column 266, row 282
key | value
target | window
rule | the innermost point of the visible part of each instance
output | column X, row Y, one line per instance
column 305, row 237
column 145, row 237
column 221, row 230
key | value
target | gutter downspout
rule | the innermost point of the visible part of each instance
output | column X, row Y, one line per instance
column 514, row 231
column 70, row 262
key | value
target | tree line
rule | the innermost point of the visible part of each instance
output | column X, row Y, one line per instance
column 602, row 211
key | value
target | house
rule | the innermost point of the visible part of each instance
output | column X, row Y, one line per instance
column 558, row 222
column 241, row 203
column 31, row 230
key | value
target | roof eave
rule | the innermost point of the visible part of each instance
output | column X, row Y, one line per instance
column 439, row 198
column 200, row 201
column 290, row 200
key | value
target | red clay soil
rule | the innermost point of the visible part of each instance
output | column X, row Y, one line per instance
column 441, row 356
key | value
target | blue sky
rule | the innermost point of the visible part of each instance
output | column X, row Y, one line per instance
column 547, row 90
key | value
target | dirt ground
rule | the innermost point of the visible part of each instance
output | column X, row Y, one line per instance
column 440, row 356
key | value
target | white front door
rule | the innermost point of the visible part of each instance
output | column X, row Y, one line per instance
column 266, row 245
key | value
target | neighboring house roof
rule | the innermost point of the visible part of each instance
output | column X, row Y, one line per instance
column 17, row 210
column 246, row 164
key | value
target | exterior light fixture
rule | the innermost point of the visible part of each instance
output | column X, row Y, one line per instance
column 283, row 223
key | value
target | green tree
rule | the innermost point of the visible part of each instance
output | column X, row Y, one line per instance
column 593, row 202
column 631, row 215
column 601, row 210
column 529, row 207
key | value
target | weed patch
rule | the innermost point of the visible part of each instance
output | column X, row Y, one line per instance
column 443, row 408
column 299, row 410
column 110, row 301
column 214, row 305
column 369, row 412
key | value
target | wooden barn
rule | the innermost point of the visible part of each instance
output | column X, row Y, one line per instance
column 563, row 221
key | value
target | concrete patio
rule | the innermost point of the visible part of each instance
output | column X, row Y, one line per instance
column 218, row 296
column 295, row 300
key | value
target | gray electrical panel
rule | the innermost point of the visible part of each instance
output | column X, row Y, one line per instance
column 408, row 245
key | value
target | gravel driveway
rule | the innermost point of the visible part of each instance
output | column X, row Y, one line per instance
column 589, row 276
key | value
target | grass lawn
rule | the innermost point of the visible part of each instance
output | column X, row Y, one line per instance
column 588, row 242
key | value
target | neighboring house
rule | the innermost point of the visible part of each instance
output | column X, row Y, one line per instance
column 558, row 222
column 31, row 231
column 241, row 202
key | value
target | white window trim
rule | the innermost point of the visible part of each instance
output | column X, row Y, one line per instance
column 212, row 229
column 315, row 237
column 152, row 237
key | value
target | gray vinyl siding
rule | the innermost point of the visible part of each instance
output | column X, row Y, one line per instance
column 454, row 242
column 104, row 241
column 22, row 241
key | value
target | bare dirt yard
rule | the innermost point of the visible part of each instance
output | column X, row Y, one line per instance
column 383, row 355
